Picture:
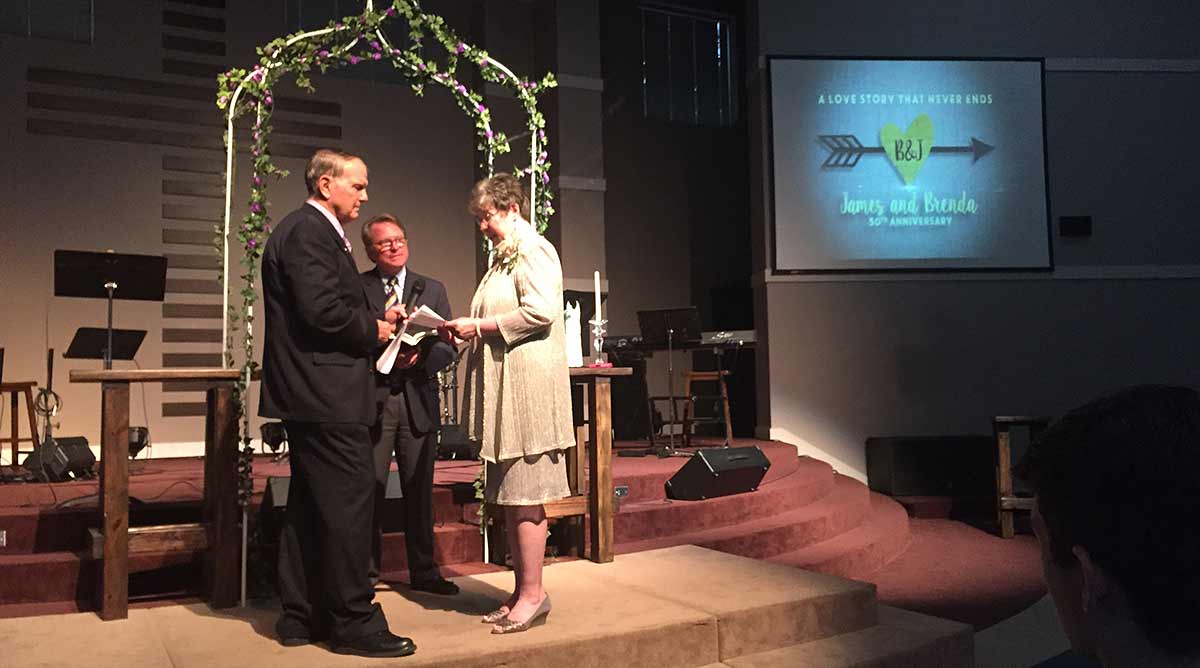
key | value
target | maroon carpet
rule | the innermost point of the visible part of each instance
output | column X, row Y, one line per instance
column 956, row 571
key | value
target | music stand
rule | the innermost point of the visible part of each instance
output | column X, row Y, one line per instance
column 92, row 343
column 109, row 276
column 669, row 327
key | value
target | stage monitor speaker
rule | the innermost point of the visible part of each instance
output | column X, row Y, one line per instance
column 276, row 494
column 714, row 472
column 57, row 460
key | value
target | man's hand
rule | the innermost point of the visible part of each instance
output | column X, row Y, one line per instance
column 407, row 358
column 386, row 329
column 395, row 314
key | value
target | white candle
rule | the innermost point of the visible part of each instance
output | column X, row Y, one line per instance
column 596, row 276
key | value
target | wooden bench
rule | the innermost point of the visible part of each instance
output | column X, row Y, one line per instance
column 1006, row 499
column 597, row 501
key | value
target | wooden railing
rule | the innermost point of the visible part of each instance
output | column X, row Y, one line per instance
column 217, row 534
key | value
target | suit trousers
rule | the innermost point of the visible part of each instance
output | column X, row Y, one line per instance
column 325, row 542
column 415, row 455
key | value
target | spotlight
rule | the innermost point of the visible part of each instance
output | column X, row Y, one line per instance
column 139, row 438
column 274, row 436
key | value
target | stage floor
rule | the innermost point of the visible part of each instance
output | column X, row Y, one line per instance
column 679, row 606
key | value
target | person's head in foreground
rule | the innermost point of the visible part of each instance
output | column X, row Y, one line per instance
column 1117, row 515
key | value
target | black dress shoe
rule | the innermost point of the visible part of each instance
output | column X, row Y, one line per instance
column 379, row 644
column 439, row 586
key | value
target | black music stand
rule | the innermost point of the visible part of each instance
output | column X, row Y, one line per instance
column 93, row 343
column 109, row 276
column 669, row 327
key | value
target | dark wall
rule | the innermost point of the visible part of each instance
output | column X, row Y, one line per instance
column 848, row 358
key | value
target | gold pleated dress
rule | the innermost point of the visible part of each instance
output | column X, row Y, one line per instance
column 517, row 397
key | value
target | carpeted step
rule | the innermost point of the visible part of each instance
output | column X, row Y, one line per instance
column 880, row 538
column 71, row 576
column 645, row 477
column 839, row 511
column 656, row 519
column 452, row 544
column 901, row 639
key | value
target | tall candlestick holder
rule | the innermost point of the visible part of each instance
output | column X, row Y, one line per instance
column 598, row 332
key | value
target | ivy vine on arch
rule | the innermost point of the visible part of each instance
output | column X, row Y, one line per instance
column 350, row 41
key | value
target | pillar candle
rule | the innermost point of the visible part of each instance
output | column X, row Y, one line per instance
column 596, row 275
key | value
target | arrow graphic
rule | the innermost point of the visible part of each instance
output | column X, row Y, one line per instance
column 847, row 150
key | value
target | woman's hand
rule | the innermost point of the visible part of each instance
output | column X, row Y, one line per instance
column 462, row 329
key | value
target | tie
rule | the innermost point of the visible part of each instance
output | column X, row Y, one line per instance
column 392, row 297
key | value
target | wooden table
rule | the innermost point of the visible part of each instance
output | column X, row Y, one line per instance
column 597, row 503
column 218, row 534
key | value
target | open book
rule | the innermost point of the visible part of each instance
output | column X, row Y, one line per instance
column 424, row 322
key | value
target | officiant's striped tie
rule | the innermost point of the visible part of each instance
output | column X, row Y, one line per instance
column 392, row 293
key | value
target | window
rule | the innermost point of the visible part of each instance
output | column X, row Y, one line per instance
column 687, row 66
column 63, row 20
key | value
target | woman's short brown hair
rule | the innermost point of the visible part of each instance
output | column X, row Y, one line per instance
column 498, row 192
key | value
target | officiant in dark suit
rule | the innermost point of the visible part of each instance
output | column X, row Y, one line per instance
column 407, row 400
column 316, row 378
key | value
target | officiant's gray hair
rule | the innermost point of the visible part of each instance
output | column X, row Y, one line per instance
column 325, row 161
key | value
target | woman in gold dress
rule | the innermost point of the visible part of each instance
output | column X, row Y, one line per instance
column 517, row 398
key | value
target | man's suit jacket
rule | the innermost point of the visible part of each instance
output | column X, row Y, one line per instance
column 420, row 381
column 319, row 332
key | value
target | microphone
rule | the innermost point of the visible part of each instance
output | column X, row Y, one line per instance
column 418, row 288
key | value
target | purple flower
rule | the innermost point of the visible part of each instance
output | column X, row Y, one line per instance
column 354, row 60
column 323, row 53
column 421, row 66
column 223, row 100
column 461, row 89
column 267, row 229
column 489, row 134
column 269, row 101
column 500, row 76
column 390, row 11
column 256, row 207
column 376, row 56
column 545, row 178
column 251, row 244
column 258, row 180
column 480, row 108
column 339, row 25
column 375, row 45
column 461, row 48
column 483, row 63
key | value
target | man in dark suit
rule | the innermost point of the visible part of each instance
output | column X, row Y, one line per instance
column 316, row 377
column 407, row 401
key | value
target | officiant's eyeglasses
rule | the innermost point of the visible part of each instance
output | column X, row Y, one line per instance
column 385, row 244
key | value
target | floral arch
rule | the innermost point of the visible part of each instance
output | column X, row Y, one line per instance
column 350, row 41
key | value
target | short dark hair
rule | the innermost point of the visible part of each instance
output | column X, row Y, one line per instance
column 499, row 192
column 325, row 161
column 375, row 220
column 1120, row 476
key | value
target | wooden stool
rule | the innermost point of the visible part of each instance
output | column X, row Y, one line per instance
column 689, row 409
column 1006, row 500
column 14, row 389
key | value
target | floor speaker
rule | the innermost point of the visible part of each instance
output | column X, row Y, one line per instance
column 714, row 472
column 57, row 460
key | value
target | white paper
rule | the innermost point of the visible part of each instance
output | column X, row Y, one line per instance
column 574, row 335
column 422, row 317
